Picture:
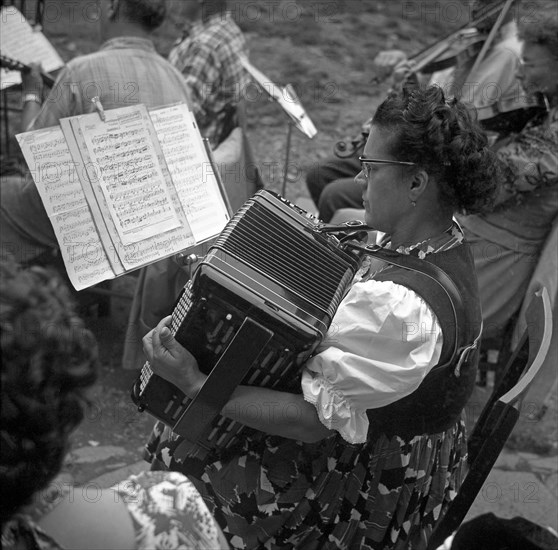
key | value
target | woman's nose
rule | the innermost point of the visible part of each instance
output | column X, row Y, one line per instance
column 361, row 180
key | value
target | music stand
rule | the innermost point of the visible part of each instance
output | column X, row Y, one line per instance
column 289, row 102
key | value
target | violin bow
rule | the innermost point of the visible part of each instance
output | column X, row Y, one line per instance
column 488, row 42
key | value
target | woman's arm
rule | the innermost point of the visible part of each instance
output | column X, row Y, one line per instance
column 270, row 411
column 276, row 413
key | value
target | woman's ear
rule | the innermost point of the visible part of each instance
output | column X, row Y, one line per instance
column 418, row 185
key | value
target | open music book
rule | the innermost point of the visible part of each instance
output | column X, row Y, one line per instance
column 21, row 42
column 125, row 188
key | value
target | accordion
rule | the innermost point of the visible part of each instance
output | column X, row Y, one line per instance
column 255, row 309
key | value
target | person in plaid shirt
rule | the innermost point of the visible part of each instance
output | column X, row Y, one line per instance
column 208, row 57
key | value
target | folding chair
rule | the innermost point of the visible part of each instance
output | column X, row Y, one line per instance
column 500, row 413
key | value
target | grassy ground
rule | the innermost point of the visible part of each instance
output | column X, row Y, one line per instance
column 325, row 50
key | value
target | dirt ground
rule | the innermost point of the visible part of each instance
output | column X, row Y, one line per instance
column 325, row 50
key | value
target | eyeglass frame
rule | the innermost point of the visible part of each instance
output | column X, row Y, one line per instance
column 364, row 160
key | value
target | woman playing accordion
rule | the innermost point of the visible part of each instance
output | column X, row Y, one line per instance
column 371, row 449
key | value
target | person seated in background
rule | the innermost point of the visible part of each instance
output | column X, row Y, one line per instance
column 376, row 447
column 49, row 364
column 125, row 71
column 331, row 184
column 507, row 242
column 208, row 55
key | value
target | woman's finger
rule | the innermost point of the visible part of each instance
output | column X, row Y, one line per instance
column 147, row 344
column 164, row 322
column 155, row 344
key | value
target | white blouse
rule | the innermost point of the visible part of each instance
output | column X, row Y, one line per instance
column 383, row 341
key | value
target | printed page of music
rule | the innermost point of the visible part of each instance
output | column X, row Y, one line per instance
column 190, row 170
column 56, row 175
column 19, row 41
column 128, row 185
column 117, row 197
column 126, row 170
column 75, row 144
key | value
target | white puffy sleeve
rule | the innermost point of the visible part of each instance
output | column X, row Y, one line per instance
column 383, row 341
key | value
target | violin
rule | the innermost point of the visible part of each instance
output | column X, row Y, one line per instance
column 15, row 65
column 466, row 46
column 462, row 46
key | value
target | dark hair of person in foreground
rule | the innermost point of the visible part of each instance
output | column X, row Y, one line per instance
column 49, row 361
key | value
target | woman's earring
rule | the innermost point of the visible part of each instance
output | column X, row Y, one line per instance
column 414, row 203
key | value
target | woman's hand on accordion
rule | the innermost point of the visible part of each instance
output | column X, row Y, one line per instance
column 171, row 361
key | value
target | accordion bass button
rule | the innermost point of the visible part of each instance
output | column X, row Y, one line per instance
column 213, row 334
column 227, row 335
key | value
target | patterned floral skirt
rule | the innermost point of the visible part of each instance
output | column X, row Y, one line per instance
column 277, row 493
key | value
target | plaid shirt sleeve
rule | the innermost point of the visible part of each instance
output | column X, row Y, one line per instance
column 201, row 70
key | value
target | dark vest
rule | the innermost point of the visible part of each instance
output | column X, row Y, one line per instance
column 437, row 403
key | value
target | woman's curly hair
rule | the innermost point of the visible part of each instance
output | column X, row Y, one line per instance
column 49, row 361
column 443, row 137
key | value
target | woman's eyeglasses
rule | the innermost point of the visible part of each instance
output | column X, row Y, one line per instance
column 365, row 162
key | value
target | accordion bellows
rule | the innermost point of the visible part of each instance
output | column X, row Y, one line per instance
column 255, row 309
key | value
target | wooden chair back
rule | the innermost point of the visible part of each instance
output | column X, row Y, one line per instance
column 500, row 413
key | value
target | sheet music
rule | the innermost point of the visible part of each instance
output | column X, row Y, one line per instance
column 126, row 167
column 138, row 254
column 71, row 165
column 190, row 170
column 78, row 152
column 55, row 174
column 19, row 41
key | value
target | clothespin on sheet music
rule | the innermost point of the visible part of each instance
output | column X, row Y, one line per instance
column 99, row 107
